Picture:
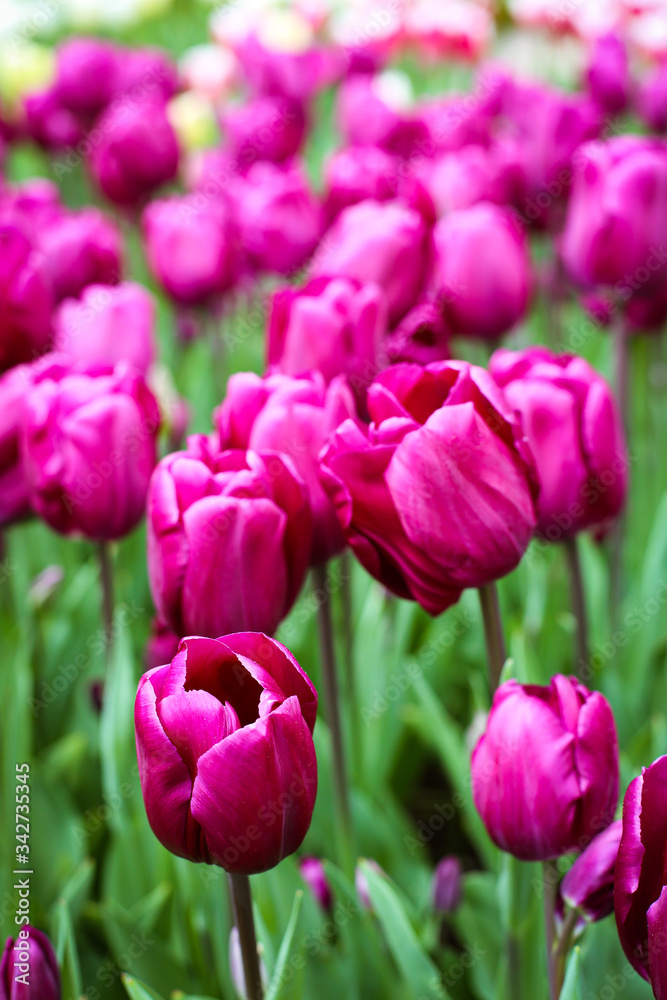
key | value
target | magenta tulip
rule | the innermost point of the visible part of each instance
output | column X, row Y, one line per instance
column 26, row 300
column 108, row 324
column 314, row 875
column 86, row 74
column 88, row 441
column 81, row 248
column 589, row 884
column 265, row 128
column 162, row 645
column 382, row 242
column 652, row 99
column 14, row 495
column 226, row 757
column 607, row 74
column 146, row 71
column 358, row 173
column 193, row 249
column 29, row 968
column 294, row 417
column 332, row 326
column 33, row 206
column 369, row 114
column 435, row 496
column 49, row 123
column 569, row 792
column 217, row 523
column 421, row 337
column 575, row 433
column 447, row 885
column 481, row 273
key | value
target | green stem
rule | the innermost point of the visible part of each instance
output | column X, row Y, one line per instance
column 243, row 916
column 563, row 946
column 550, row 886
column 493, row 633
column 578, row 598
column 106, row 579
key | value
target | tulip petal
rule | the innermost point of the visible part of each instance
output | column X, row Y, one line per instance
column 194, row 721
column 657, row 945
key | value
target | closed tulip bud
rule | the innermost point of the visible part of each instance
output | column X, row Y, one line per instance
column 108, row 325
column 358, row 173
column 640, row 885
column 313, row 874
column 49, row 123
column 81, row 248
column 225, row 749
column 617, row 217
column 279, row 216
column 481, row 273
column 29, row 968
column 86, row 72
column 14, row 496
column 608, row 75
column 32, row 205
column 88, row 441
column 381, row 242
column 377, row 111
column 589, row 884
column 266, row 128
column 332, row 326
column 137, row 152
column 295, row 417
column 217, row 523
column 193, row 249
column 652, row 99
column 361, row 882
column 447, row 885
column 575, row 434
column 436, row 495
column 421, row 337
column 569, row 792
column 26, row 300
column 146, row 69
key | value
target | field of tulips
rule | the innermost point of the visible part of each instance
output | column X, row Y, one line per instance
column 333, row 500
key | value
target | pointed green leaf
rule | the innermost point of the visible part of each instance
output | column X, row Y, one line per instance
column 277, row 980
column 573, row 987
column 137, row 990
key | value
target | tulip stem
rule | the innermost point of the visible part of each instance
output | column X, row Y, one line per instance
column 550, row 888
column 578, row 598
column 239, row 886
column 330, row 681
column 563, row 945
column 493, row 633
column 348, row 637
column 106, row 579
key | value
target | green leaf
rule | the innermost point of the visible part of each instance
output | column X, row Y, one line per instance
column 277, row 980
column 419, row 971
column 66, row 950
column 137, row 990
column 116, row 729
column 573, row 987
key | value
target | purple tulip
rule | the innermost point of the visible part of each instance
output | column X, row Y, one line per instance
column 368, row 114
column 386, row 243
column 137, row 152
column 279, row 216
column 81, row 248
column 88, row 444
column 640, row 885
column 467, row 176
column 86, row 74
column 358, row 173
column 361, row 882
column 481, row 272
column 447, row 885
column 108, row 325
column 314, row 875
column 421, row 337
column 226, row 757
column 575, row 433
column 14, row 496
column 569, row 792
column 652, row 99
column 435, row 496
column 265, row 128
column 296, row 74
column 29, row 968
column 193, row 249
column 217, row 523
column 332, row 326
column 146, row 71
column 162, row 645
column 608, row 74
column 26, row 301
column 33, row 206
column 294, row 417
column 617, row 217
column 589, row 884
column 49, row 123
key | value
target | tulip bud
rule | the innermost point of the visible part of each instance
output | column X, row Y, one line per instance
column 28, row 968
column 569, row 792
column 421, row 337
column 436, row 495
column 49, row 123
column 226, row 757
column 575, row 434
column 108, row 325
column 86, row 75
column 88, row 438
column 265, row 128
column 589, row 884
column 608, row 74
column 218, row 523
column 26, row 300
column 358, row 173
column 313, row 874
column 361, row 882
column 81, row 248
column 377, row 111
column 447, row 885
column 652, row 99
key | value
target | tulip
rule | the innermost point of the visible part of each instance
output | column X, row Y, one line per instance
column 462, row 178
column 617, row 217
column 26, row 300
column 435, row 496
column 294, row 417
column 81, row 248
column 569, row 792
column 30, row 957
column 266, row 128
column 361, row 882
column 32, row 205
column 218, row 523
column 575, row 434
column 481, row 272
column 283, row 58
column 607, row 74
column 137, row 152
column 162, row 645
column 86, row 73
column 192, row 248
column 49, row 123
column 279, row 216
column 332, row 326
column 640, row 885
column 88, row 438
column 146, row 71
column 385, row 243
column 108, row 324
column 447, row 885
column 357, row 174
column 14, row 497
column 421, row 337
column 589, row 884
column 226, row 757
column 652, row 99
column 314, row 875
column 376, row 111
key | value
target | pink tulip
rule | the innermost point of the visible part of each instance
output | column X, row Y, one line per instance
column 32, row 949
column 81, row 248
column 26, row 300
